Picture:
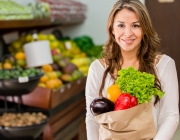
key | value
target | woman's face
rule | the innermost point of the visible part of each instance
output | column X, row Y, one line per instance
column 127, row 31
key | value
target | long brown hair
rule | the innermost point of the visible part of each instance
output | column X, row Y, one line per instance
column 147, row 51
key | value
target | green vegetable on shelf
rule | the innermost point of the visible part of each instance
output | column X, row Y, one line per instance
column 19, row 72
column 85, row 43
column 138, row 84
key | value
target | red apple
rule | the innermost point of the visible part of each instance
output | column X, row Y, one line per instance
column 54, row 51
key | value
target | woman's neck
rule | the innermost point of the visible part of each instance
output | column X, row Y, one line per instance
column 130, row 60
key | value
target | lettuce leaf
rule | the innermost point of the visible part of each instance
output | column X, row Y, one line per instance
column 138, row 84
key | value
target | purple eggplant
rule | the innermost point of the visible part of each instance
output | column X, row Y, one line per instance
column 101, row 105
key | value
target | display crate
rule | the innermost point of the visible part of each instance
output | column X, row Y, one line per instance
column 65, row 106
column 46, row 98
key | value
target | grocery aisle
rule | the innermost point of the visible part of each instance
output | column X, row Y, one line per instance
column 177, row 134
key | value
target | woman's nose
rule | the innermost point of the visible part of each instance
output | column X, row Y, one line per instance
column 128, row 32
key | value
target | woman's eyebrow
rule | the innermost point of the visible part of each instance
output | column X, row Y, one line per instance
column 133, row 22
column 120, row 21
column 136, row 22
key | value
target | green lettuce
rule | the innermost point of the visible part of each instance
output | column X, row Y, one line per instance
column 138, row 84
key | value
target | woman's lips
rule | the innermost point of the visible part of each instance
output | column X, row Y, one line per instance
column 128, row 41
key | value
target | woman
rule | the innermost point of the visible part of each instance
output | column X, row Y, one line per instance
column 132, row 41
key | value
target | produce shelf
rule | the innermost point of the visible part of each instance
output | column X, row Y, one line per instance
column 65, row 106
column 10, row 24
column 51, row 98
column 7, row 24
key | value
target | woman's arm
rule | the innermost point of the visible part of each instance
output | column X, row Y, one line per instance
column 92, row 89
column 169, row 109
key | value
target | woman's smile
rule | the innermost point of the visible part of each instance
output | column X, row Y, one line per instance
column 128, row 41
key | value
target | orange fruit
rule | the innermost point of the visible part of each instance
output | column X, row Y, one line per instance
column 113, row 93
column 7, row 66
column 58, row 82
column 51, row 84
column 52, row 75
column 44, row 79
column 20, row 56
column 47, row 68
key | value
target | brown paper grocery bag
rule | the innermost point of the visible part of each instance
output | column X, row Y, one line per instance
column 135, row 123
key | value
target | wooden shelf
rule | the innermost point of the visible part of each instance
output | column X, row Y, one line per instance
column 66, row 105
column 47, row 22
column 7, row 24
column 66, row 108
column 51, row 99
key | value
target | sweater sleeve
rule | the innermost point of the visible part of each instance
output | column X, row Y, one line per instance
column 92, row 89
column 169, row 111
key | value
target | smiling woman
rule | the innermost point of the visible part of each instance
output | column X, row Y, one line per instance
column 127, row 31
column 132, row 41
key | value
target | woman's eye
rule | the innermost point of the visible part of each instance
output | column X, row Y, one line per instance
column 136, row 26
column 121, row 25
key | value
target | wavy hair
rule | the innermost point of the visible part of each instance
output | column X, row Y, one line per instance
column 149, row 45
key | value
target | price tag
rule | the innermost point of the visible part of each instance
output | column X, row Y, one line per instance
column 68, row 45
column 62, row 89
column 79, row 81
column 23, row 79
column 69, row 86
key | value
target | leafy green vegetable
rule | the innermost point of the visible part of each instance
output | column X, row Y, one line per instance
column 138, row 84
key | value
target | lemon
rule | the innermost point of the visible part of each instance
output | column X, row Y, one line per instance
column 21, row 63
column 29, row 38
column 41, row 85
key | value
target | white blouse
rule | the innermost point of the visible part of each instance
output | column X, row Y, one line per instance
column 165, row 113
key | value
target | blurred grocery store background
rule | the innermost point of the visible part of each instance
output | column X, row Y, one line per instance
column 60, row 38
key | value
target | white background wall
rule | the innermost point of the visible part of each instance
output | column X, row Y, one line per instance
column 95, row 22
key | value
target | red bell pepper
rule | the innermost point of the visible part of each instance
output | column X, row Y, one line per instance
column 125, row 101
column 133, row 101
